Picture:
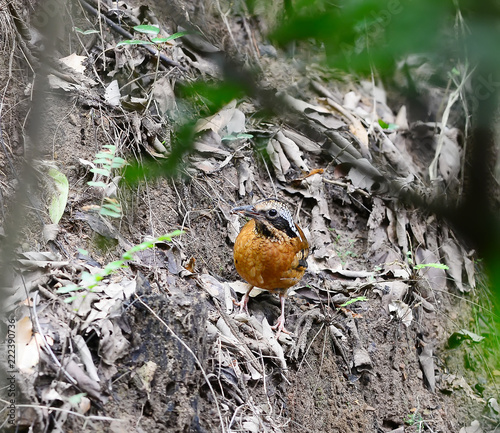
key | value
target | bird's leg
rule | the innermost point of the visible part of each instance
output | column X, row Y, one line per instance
column 244, row 301
column 280, row 323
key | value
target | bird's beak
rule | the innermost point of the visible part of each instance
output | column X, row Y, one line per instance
column 248, row 211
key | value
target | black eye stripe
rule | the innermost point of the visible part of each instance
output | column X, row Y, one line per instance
column 284, row 225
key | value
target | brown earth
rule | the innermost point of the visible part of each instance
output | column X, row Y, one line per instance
column 168, row 352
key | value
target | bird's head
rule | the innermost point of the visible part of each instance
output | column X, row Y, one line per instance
column 272, row 214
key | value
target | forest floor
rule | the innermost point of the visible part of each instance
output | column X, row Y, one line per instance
column 384, row 337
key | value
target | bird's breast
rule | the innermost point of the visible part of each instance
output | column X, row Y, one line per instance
column 270, row 262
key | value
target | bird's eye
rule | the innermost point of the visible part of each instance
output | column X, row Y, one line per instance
column 272, row 213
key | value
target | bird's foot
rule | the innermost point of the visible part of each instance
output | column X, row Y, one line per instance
column 280, row 327
column 242, row 304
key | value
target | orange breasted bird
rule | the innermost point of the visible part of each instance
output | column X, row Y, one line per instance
column 270, row 251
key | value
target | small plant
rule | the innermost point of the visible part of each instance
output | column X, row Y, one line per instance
column 352, row 301
column 105, row 162
column 415, row 419
column 430, row 265
column 150, row 31
column 89, row 282
column 410, row 261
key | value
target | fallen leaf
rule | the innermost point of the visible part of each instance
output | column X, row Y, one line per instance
column 75, row 62
column 59, row 195
column 112, row 94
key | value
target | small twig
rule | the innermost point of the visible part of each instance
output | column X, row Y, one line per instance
column 58, row 409
column 234, row 416
column 345, row 185
column 226, row 22
column 454, row 96
column 169, row 329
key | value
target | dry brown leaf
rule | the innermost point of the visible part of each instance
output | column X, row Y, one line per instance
column 112, row 94
column 28, row 346
column 284, row 163
column 75, row 62
column 454, row 259
column 113, row 345
column 190, row 265
column 418, row 228
column 436, row 277
column 402, row 118
column 377, row 234
column 450, row 157
column 475, row 427
column 427, row 363
column 208, row 145
column 470, row 269
column 236, row 124
column 292, row 151
column 361, row 359
column 164, row 95
column 275, row 161
column 246, row 178
column 86, row 384
column 86, row 357
column 403, row 311
column 356, row 127
column 302, row 141
column 399, row 158
column 218, row 121
column 364, row 175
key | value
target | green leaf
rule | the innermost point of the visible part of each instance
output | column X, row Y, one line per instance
column 169, row 38
column 147, row 29
column 67, row 289
column 118, row 162
column 141, row 247
column 85, row 32
column 83, row 252
column 75, row 400
column 133, row 42
column 105, row 162
column 457, row 338
column 168, row 237
column 383, row 124
column 114, row 266
column 60, row 196
column 104, row 155
column 102, row 171
column 431, row 265
column 352, row 301
column 109, row 212
column 127, row 255
column 88, row 280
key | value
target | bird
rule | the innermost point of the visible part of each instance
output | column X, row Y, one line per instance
column 270, row 251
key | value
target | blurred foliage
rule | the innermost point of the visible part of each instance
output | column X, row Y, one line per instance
column 199, row 99
column 362, row 35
